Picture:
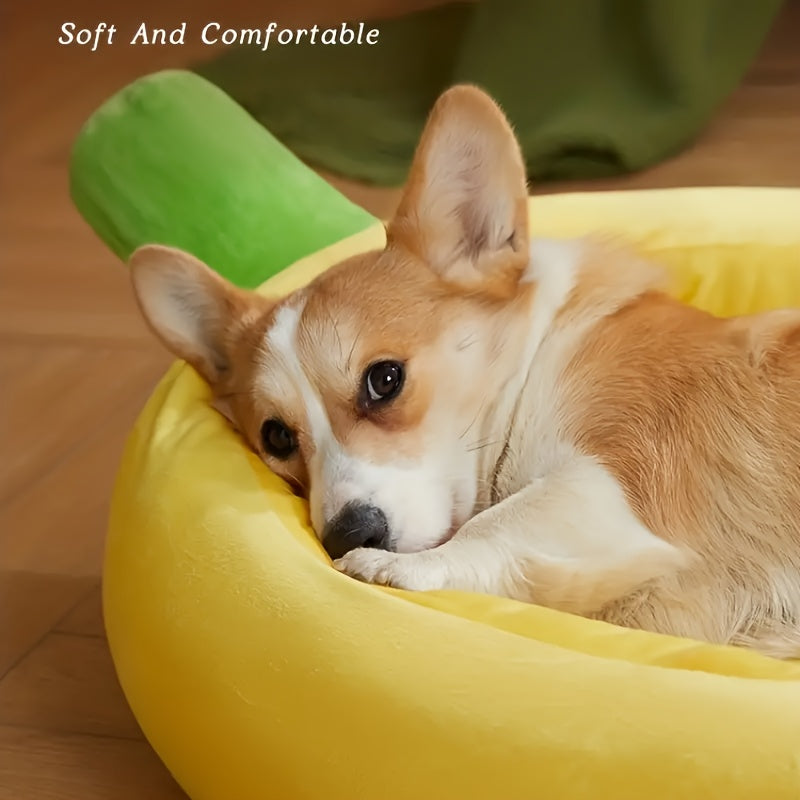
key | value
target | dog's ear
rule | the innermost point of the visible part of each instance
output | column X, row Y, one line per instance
column 464, row 210
column 195, row 312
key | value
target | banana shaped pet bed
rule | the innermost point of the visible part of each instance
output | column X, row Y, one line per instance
column 258, row 671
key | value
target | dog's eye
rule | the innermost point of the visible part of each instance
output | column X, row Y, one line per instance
column 382, row 381
column 277, row 439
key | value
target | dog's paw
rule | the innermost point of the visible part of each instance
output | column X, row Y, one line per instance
column 413, row 571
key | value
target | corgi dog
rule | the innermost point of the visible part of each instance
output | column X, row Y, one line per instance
column 477, row 410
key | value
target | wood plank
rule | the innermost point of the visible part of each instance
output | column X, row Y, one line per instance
column 39, row 765
column 64, row 513
column 30, row 605
column 88, row 297
column 86, row 618
column 61, row 396
column 67, row 684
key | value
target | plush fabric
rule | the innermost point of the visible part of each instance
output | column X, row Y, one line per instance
column 592, row 88
column 172, row 159
column 256, row 670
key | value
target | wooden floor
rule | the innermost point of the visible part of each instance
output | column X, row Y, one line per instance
column 76, row 365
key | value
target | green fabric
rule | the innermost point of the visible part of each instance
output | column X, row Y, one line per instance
column 593, row 88
column 172, row 160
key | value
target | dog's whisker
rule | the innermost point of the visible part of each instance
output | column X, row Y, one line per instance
column 467, row 342
column 335, row 331
column 352, row 350
column 474, row 420
column 480, row 445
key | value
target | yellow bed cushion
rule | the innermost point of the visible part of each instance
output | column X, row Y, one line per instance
column 257, row 671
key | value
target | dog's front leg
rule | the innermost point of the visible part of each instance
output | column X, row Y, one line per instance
column 568, row 540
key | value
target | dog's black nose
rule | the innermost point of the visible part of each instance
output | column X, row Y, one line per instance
column 356, row 525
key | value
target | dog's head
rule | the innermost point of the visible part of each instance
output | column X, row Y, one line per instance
column 366, row 389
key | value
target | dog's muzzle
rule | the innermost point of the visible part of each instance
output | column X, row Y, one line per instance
column 356, row 525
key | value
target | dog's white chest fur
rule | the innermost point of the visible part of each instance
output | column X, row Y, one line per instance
column 532, row 443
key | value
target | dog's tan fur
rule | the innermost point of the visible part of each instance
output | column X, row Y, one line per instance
column 698, row 419
column 591, row 443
